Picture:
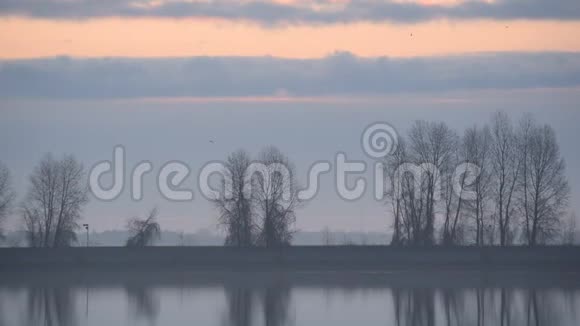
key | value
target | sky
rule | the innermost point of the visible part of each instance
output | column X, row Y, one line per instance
column 163, row 77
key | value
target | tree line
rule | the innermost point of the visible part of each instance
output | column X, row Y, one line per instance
column 52, row 208
column 519, row 194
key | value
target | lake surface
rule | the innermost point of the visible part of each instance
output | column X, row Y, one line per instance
column 276, row 298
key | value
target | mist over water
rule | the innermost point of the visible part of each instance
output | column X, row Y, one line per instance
column 246, row 298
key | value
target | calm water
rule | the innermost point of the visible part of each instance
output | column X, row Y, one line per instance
column 176, row 298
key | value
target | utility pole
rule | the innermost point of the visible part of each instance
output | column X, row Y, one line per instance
column 87, row 228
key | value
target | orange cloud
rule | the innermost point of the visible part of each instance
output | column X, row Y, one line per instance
column 150, row 37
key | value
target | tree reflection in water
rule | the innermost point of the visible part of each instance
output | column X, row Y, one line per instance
column 51, row 306
column 143, row 302
column 245, row 304
column 266, row 300
column 459, row 307
column 240, row 303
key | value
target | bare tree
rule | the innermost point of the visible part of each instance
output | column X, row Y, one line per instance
column 476, row 150
column 399, row 203
column 145, row 231
column 526, row 127
column 432, row 149
column 431, row 145
column 6, row 195
column 236, row 210
column 506, row 168
column 52, row 208
column 544, row 184
column 275, row 197
column 453, row 224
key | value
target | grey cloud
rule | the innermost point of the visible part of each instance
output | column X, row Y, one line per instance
column 270, row 13
column 340, row 74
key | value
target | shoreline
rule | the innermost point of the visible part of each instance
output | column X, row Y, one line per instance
column 297, row 258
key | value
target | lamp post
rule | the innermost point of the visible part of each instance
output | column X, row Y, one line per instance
column 87, row 228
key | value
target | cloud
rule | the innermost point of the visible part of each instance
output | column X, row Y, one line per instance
column 340, row 74
column 315, row 11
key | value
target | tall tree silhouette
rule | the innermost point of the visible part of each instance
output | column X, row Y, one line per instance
column 6, row 194
column 236, row 210
column 276, row 199
column 55, row 199
column 544, row 185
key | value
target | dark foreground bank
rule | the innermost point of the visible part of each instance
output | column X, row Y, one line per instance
column 356, row 258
